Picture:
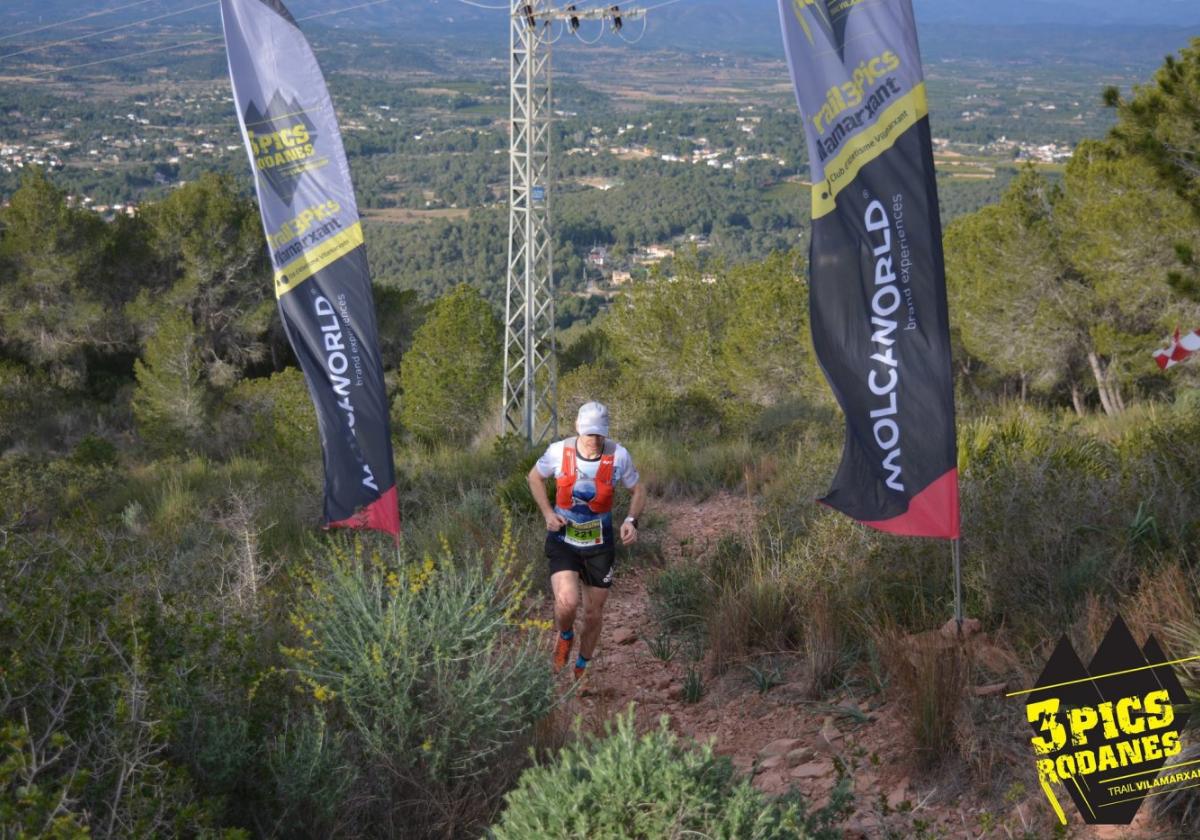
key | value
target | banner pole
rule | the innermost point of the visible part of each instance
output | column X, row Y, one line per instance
column 958, row 605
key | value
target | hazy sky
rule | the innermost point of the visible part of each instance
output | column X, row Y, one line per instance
column 399, row 12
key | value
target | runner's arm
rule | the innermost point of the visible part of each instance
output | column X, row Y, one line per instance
column 537, row 486
column 629, row 533
column 638, row 503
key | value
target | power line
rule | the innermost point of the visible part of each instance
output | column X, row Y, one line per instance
column 60, row 24
column 660, row 5
column 340, row 11
column 126, row 6
column 74, row 20
column 592, row 42
column 210, row 39
column 107, row 31
column 138, row 54
column 641, row 35
column 193, row 43
column 484, row 6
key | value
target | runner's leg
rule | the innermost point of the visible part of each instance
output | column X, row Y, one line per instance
column 566, row 599
column 594, row 599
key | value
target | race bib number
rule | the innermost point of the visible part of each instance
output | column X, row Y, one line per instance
column 584, row 534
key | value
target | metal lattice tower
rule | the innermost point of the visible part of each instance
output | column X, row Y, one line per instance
column 530, row 371
column 530, row 367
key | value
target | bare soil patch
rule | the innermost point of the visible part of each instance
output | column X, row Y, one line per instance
column 406, row 216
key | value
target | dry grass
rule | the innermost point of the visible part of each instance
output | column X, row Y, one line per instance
column 757, row 604
column 823, row 647
column 931, row 676
column 552, row 733
column 991, row 733
column 1166, row 597
column 758, row 474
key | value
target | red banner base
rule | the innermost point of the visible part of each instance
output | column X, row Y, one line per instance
column 931, row 513
column 383, row 514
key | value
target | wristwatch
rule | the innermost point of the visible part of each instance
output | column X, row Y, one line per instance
column 632, row 519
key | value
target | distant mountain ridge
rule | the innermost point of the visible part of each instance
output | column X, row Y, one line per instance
column 1088, row 12
column 717, row 25
column 709, row 17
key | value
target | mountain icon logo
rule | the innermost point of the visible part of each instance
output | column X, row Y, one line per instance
column 282, row 139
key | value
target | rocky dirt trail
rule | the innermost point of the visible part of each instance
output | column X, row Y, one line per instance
column 784, row 737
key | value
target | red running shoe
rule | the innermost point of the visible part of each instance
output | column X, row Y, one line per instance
column 562, row 652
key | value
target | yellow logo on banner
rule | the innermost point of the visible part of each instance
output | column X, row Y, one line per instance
column 798, row 7
column 863, row 148
column 332, row 247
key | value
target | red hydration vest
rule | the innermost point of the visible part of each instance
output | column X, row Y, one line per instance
column 603, row 503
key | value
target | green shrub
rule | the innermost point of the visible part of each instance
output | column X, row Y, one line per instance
column 449, row 375
column 28, row 403
column 514, row 458
column 312, row 774
column 727, row 560
column 28, row 808
column 38, row 490
column 94, row 451
column 760, row 601
column 1123, row 494
column 595, row 381
column 272, row 418
column 677, row 598
column 652, row 787
column 697, row 356
column 82, row 689
column 765, row 677
column 433, row 678
column 663, row 646
column 171, row 402
column 690, row 415
column 676, row 466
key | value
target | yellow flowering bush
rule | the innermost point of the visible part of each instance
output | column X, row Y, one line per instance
column 431, row 668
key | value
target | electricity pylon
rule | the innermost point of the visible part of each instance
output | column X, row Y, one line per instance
column 530, row 367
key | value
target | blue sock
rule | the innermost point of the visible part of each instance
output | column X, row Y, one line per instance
column 567, row 635
column 581, row 663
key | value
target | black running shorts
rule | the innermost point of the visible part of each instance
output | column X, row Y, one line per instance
column 595, row 569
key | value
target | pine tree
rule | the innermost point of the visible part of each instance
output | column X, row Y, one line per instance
column 170, row 403
column 451, row 376
column 212, row 264
column 50, row 273
column 1160, row 124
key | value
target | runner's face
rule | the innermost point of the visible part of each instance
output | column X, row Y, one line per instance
column 591, row 445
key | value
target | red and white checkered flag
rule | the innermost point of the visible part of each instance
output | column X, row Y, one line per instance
column 1178, row 350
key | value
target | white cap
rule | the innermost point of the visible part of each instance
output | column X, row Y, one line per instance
column 592, row 419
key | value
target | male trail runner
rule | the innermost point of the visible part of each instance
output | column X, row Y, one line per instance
column 580, row 543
